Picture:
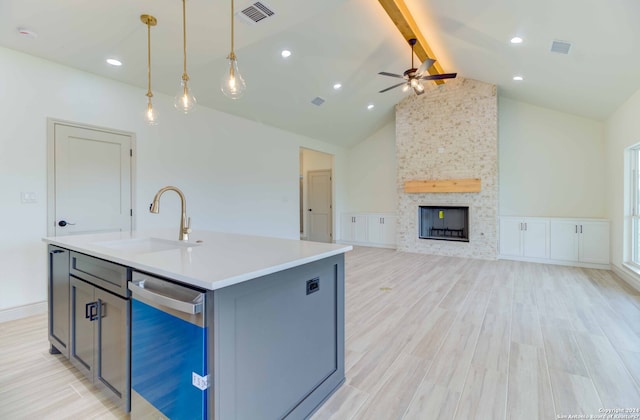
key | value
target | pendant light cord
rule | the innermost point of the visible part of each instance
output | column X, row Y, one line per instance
column 149, row 94
column 232, row 26
column 185, row 77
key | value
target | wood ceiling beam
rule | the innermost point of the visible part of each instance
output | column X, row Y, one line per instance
column 401, row 17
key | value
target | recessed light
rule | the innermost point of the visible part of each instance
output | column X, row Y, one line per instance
column 285, row 53
column 516, row 40
column 114, row 62
column 337, row 86
column 518, row 78
column 370, row 107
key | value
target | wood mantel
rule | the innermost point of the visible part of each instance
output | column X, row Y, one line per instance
column 443, row 186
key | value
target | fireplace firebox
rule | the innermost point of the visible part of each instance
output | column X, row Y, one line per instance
column 447, row 223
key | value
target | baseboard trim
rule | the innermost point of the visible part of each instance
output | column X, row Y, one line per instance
column 24, row 311
column 627, row 275
column 369, row 244
column 557, row 262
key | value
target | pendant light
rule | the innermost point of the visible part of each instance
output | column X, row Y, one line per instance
column 232, row 84
column 184, row 100
column 151, row 115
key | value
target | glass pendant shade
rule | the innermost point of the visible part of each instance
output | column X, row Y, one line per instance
column 151, row 115
column 232, row 84
column 184, row 100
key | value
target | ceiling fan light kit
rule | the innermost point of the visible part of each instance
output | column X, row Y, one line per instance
column 413, row 77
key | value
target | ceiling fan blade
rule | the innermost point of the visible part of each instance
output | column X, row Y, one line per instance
column 439, row 76
column 424, row 66
column 384, row 73
column 392, row 87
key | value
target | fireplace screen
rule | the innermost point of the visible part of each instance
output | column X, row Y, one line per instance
column 444, row 223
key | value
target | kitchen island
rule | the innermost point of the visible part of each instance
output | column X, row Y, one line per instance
column 263, row 318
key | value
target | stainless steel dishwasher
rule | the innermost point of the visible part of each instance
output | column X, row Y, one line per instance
column 169, row 372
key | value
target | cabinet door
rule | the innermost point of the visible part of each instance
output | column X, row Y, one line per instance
column 563, row 239
column 389, row 230
column 59, row 299
column 381, row 229
column 112, row 345
column 511, row 236
column 594, row 242
column 82, row 338
column 374, row 228
column 535, row 238
column 346, row 227
column 360, row 232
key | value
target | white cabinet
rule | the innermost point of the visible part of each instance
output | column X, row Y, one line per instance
column 585, row 241
column 524, row 237
column 382, row 229
column 369, row 229
column 354, row 227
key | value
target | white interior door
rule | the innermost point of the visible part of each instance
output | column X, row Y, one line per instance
column 319, row 202
column 90, row 182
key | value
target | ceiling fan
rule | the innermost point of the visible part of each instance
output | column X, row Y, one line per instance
column 413, row 76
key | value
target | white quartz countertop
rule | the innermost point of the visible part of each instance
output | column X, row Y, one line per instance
column 210, row 260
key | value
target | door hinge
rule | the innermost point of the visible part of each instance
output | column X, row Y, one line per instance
column 131, row 152
column 130, row 212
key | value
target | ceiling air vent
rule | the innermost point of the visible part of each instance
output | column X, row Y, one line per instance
column 317, row 101
column 560, row 47
column 255, row 12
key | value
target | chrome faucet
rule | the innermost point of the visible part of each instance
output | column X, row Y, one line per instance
column 185, row 223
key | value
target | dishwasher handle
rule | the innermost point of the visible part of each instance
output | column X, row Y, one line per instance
column 137, row 288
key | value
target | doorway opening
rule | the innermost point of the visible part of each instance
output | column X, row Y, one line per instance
column 316, row 196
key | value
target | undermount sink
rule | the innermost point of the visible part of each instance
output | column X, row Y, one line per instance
column 145, row 245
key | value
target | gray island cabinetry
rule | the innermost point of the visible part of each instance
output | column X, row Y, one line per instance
column 223, row 326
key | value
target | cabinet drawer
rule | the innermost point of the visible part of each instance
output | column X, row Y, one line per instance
column 104, row 274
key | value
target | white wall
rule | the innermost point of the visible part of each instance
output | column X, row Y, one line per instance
column 313, row 161
column 551, row 163
column 623, row 130
column 237, row 175
column 372, row 173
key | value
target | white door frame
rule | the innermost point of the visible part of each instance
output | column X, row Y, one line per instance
column 51, row 188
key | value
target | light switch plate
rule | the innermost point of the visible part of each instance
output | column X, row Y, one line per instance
column 28, row 197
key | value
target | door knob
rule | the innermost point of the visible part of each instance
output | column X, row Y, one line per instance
column 310, row 210
column 63, row 223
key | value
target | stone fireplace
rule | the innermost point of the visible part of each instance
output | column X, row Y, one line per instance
column 450, row 132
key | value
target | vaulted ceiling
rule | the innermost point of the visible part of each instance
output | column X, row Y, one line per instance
column 347, row 42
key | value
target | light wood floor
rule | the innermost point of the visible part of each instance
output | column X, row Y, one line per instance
column 427, row 338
